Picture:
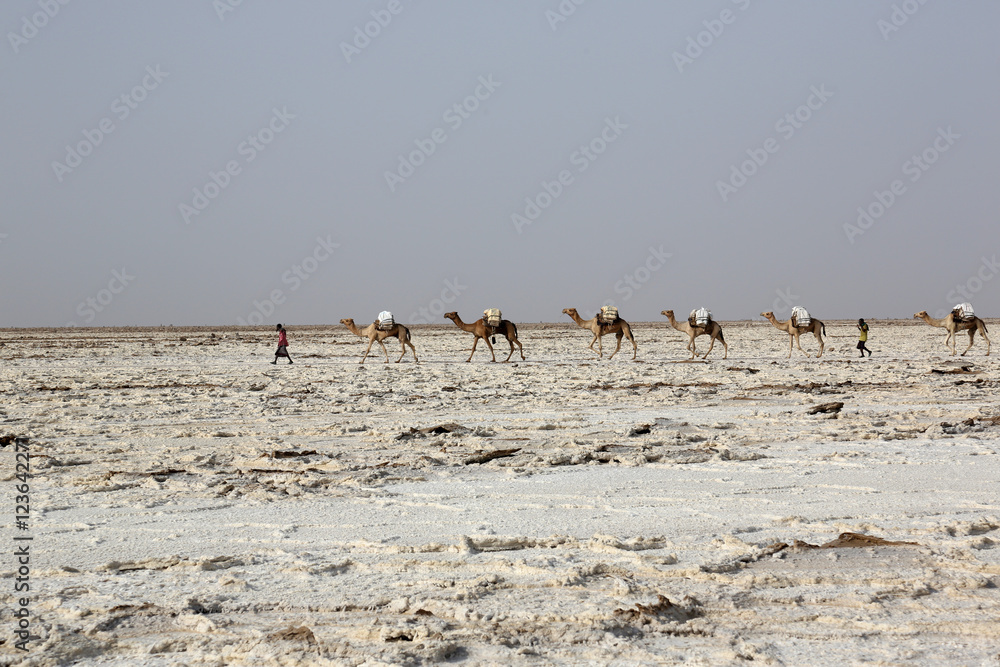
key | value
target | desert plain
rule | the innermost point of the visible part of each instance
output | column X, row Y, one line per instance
column 192, row 504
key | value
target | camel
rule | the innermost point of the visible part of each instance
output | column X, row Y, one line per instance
column 954, row 326
column 794, row 332
column 713, row 330
column 619, row 328
column 480, row 329
column 373, row 334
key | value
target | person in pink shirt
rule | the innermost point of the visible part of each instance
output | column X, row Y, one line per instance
column 282, row 350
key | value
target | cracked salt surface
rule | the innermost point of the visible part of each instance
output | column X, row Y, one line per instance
column 208, row 508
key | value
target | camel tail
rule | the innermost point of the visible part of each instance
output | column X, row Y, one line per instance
column 514, row 326
column 985, row 330
column 823, row 327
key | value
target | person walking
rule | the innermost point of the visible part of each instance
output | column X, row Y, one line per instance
column 282, row 350
column 863, row 338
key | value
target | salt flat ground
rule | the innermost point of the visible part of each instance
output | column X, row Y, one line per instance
column 194, row 505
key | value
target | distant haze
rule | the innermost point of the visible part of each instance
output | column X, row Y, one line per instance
column 200, row 162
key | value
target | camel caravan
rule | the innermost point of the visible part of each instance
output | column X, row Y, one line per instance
column 607, row 321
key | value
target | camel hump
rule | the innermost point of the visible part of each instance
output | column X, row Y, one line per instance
column 964, row 312
column 492, row 317
column 609, row 315
column 384, row 321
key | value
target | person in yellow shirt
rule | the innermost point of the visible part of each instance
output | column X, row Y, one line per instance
column 863, row 338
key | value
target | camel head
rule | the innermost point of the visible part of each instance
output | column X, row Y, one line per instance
column 921, row 315
column 767, row 315
column 347, row 322
column 571, row 312
column 453, row 315
column 667, row 313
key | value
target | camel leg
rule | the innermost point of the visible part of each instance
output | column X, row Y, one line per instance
column 819, row 338
column 619, row 337
column 410, row 343
column 972, row 339
column 987, row 339
column 711, row 344
column 384, row 351
column 725, row 346
column 791, row 337
column 490, row 345
column 635, row 348
column 691, row 347
column 511, row 351
column 520, row 348
column 475, row 342
column 368, row 349
column 600, row 347
column 402, row 349
column 799, row 345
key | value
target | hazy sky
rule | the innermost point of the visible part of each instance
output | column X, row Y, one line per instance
column 200, row 162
